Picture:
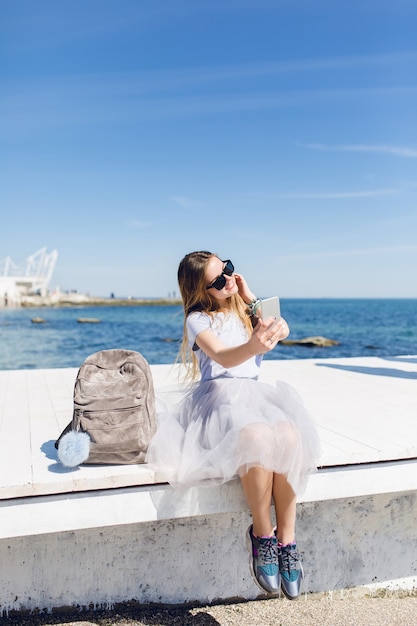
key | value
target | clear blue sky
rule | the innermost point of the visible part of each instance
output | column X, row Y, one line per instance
column 281, row 134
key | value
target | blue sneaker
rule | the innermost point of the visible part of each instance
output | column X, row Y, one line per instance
column 264, row 561
column 291, row 570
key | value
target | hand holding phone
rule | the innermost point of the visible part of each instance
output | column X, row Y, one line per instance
column 269, row 307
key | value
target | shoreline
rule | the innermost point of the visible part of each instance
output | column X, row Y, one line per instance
column 74, row 299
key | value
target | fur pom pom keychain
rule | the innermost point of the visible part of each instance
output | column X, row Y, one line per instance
column 74, row 448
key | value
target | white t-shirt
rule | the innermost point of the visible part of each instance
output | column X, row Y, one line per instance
column 232, row 332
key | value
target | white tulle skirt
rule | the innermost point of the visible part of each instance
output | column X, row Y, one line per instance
column 219, row 429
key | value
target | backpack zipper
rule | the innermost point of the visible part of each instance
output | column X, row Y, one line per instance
column 81, row 412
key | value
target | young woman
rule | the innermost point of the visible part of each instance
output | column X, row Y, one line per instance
column 229, row 424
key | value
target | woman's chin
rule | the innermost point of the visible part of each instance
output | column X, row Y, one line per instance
column 233, row 291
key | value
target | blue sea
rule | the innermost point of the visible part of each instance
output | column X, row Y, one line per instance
column 362, row 328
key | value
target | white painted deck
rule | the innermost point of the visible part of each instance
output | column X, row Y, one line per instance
column 365, row 410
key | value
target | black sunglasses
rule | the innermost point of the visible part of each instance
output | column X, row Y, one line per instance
column 219, row 282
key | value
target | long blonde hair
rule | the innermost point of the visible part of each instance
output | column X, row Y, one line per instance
column 196, row 297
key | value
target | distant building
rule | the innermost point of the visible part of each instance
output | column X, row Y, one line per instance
column 30, row 278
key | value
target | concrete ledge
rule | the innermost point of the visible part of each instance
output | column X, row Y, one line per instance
column 364, row 541
column 146, row 503
column 99, row 536
column 136, row 543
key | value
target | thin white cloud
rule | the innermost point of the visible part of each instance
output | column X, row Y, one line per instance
column 185, row 203
column 325, row 195
column 138, row 224
column 402, row 151
column 179, row 78
column 338, row 195
column 188, row 77
column 27, row 112
column 350, row 252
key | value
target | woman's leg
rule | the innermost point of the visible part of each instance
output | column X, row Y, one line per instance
column 260, row 537
column 257, row 485
column 285, row 508
column 289, row 559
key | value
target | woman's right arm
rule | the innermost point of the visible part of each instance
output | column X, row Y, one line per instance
column 264, row 338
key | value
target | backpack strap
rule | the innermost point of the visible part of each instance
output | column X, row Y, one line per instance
column 66, row 430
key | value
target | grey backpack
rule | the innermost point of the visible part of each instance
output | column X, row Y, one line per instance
column 114, row 411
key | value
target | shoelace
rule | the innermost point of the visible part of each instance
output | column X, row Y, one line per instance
column 289, row 558
column 267, row 550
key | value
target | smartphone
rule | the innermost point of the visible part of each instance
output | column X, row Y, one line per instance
column 269, row 308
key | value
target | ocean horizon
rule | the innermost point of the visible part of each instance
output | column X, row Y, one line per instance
column 360, row 326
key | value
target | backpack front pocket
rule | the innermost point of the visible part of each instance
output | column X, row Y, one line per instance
column 120, row 435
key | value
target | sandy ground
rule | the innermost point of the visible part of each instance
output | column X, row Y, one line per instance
column 307, row 611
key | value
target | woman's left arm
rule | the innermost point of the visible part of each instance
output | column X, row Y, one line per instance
column 244, row 291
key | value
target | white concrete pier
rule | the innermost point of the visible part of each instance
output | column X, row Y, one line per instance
column 102, row 535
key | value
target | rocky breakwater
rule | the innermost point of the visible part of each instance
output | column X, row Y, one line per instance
column 311, row 342
column 78, row 299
